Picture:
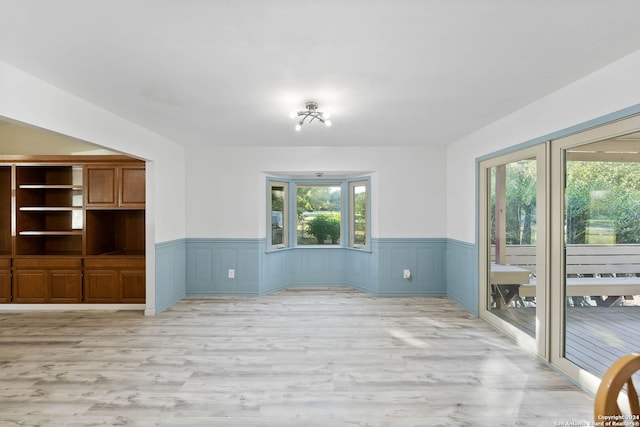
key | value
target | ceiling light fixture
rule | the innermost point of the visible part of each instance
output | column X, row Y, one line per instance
column 310, row 113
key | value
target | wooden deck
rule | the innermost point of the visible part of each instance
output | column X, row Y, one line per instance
column 596, row 336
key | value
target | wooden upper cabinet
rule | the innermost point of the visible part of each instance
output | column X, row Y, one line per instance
column 132, row 186
column 101, row 186
column 115, row 186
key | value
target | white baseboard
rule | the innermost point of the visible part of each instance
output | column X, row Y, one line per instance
column 70, row 307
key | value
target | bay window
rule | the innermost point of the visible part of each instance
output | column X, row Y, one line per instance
column 306, row 213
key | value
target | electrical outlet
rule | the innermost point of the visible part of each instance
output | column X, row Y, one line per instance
column 232, row 273
column 406, row 274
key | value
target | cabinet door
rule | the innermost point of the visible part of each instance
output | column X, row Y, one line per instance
column 101, row 286
column 30, row 286
column 101, row 186
column 132, row 186
column 133, row 285
column 5, row 286
column 66, row 286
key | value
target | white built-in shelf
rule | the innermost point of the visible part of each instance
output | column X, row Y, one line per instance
column 49, row 208
column 51, row 186
column 52, row 233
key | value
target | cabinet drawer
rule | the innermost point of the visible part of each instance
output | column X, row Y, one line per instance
column 47, row 263
column 109, row 262
column 5, row 262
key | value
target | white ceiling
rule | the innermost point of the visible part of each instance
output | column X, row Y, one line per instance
column 401, row 72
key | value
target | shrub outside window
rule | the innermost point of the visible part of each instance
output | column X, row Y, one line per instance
column 318, row 209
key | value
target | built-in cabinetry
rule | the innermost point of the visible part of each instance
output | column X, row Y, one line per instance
column 5, row 233
column 49, row 212
column 47, row 279
column 5, row 280
column 114, row 280
column 72, row 230
column 115, row 186
column 6, row 211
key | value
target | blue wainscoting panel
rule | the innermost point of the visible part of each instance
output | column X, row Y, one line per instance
column 318, row 266
column 170, row 273
column 439, row 267
column 276, row 273
column 424, row 258
column 462, row 274
column 209, row 262
column 361, row 269
column 199, row 269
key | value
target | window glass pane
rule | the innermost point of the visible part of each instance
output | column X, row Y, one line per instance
column 602, row 252
column 278, row 215
column 513, row 239
column 318, row 211
column 358, row 199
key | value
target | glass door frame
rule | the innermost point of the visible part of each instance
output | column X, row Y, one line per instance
column 557, row 248
column 540, row 153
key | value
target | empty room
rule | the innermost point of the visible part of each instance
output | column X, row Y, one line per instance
column 408, row 213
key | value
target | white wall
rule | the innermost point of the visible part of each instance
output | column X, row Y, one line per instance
column 226, row 187
column 608, row 90
column 26, row 99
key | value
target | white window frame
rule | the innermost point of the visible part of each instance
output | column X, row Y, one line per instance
column 558, row 275
column 539, row 152
column 347, row 212
column 352, row 214
column 294, row 209
column 285, row 214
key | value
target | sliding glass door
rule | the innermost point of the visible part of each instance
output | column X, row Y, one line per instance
column 599, row 274
column 559, row 247
column 513, row 242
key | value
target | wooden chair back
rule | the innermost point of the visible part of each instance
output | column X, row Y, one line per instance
column 606, row 401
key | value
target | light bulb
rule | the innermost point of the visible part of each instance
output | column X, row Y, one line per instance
column 326, row 115
column 293, row 114
column 298, row 127
column 327, row 123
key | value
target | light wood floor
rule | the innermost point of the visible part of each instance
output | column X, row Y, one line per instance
column 301, row 357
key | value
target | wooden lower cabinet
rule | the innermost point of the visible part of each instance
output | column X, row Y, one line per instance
column 101, row 286
column 41, row 280
column 73, row 280
column 65, row 286
column 133, row 285
column 113, row 280
column 30, row 286
column 5, row 280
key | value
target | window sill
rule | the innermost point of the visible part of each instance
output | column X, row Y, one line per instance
column 311, row 247
column 359, row 249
